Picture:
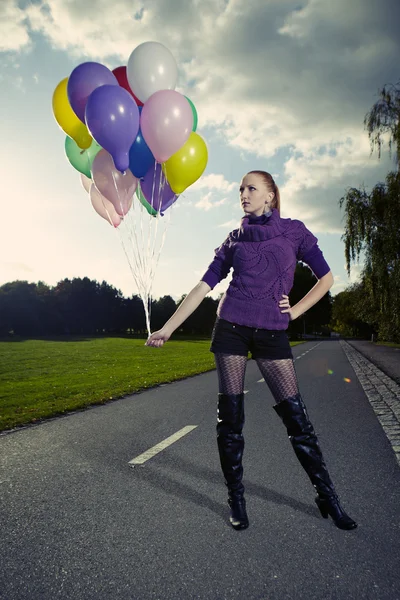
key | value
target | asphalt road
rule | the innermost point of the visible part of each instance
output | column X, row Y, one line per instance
column 385, row 358
column 78, row 522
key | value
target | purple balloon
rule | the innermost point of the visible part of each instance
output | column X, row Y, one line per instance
column 156, row 189
column 112, row 117
column 84, row 79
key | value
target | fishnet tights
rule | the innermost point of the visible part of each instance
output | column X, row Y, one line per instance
column 279, row 375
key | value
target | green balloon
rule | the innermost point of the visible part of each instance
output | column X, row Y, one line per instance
column 194, row 111
column 143, row 200
column 80, row 159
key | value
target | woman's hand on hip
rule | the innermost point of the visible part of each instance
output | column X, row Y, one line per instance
column 285, row 305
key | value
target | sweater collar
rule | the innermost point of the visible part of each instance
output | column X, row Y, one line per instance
column 261, row 219
column 258, row 229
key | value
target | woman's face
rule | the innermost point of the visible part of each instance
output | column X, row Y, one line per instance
column 255, row 198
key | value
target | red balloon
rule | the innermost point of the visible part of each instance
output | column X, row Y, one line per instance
column 120, row 74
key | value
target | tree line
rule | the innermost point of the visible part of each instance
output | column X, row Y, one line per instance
column 82, row 306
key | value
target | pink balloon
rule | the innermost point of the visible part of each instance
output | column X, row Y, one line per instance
column 166, row 123
column 117, row 187
column 86, row 182
column 103, row 207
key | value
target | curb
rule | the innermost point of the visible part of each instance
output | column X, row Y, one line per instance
column 383, row 394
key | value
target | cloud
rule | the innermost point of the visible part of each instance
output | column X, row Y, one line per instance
column 214, row 181
column 207, row 202
column 14, row 35
column 273, row 76
column 16, row 266
column 317, row 178
column 214, row 184
column 281, row 76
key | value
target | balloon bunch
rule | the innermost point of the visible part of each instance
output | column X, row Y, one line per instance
column 129, row 130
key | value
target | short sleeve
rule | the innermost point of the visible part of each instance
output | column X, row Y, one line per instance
column 316, row 261
column 219, row 268
column 305, row 240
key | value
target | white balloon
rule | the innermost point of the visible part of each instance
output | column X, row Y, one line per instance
column 151, row 67
column 103, row 207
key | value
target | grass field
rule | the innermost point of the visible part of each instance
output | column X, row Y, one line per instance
column 44, row 378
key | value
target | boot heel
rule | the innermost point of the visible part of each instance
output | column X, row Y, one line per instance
column 238, row 517
column 331, row 506
column 323, row 509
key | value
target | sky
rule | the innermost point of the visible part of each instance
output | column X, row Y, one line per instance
column 278, row 85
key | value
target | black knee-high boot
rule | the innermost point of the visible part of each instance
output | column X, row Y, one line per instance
column 305, row 443
column 230, row 421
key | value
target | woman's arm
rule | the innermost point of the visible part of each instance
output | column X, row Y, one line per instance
column 187, row 307
column 184, row 310
column 312, row 297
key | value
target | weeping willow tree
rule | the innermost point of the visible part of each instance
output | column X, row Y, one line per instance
column 383, row 120
column 373, row 222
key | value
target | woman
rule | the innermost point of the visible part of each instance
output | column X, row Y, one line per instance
column 253, row 315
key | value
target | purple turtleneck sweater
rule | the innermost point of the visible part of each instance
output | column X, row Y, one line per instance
column 263, row 253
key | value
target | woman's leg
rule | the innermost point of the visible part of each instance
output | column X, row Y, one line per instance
column 281, row 378
column 231, row 371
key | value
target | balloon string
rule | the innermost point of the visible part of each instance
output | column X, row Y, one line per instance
column 135, row 236
column 138, row 273
column 122, row 209
column 124, row 214
column 142, row 233
column 139, row 279
column 166, row 223
column 140, row 240
column 150, row 240
column 141, row 260
column 142, row 295
column 153, row 230
column 154, row 261
column 145, row 272
column 157, row 218
column 148, row 282
column 152, row 204
column 155, row 257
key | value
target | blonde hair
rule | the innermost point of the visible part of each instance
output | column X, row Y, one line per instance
column 272, row 187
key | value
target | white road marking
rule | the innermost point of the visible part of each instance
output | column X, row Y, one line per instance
column 142, row 458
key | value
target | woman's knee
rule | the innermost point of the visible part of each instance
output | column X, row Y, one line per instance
column 230, row 411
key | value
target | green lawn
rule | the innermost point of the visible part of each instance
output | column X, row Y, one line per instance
column 40, row 378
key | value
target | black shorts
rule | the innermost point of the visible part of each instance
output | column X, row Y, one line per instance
column 231, row 338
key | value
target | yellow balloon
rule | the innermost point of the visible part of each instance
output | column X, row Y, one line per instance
column 67, row 119
column 185, row 166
